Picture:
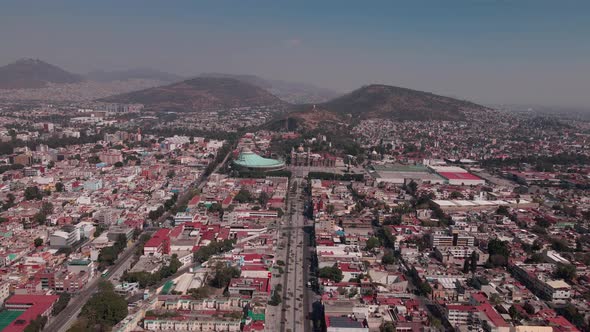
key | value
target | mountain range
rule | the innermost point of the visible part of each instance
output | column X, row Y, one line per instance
column 200, row 94
column 130, row 74
column 215, row 91
column 33, row 73
column 291, row 92
column 385, row 101
column 209, row 92
column 382, row 101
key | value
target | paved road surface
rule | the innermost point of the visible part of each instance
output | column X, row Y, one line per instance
column 294, row 291
column 66, row 318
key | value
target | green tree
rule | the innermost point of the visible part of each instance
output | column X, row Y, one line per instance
column 38, row 242
column 571, row 313
column 412, row 187
column 388, row 259
column 213, row 248
column 275, row 299
column 495, row 299
column 61, row 304
column 395, row 219
column 100, row 228
column 37, row 324
column 40, row 218
column 105, row 286
column 107, row 256
column 565, row 271
column 538, row 230
column 542, row 222
column 156, row 214
column 263, row 199
column 105, row 308
column 32, row 193
column 474, row 259
column 94, row 159
column 499, row 252
column 243, row 196
column 47, row 208
column 10, row 198
column 330, row 209
column 120, row 243
column 59, row 187
column 438, row 213
column 331, row 272
column 387, row 327
column 425, row 288
column 498, row 260
column 560, row 245
column 387, row 238
column 215, row 208
column 535, row 258
column 435, row 323
column 12, row 133
column 199, row 293
column 145, row 279
column 372, row 243
column 223, row 274
column 514, row 314
column 456, row 195
column 503, row 210
column 175, row 263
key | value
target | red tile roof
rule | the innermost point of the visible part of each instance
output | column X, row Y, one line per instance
column 480, row 297
column 460, row 307
column 254, row 326
column 254, row 267
column 252, row 257
column 562, row 323
column 38, row 305
column 492, row 315
column 195, row 200
column 176, row 231
column 158, row 238
column 458, row 176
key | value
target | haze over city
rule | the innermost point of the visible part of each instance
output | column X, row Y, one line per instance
column 491, row 52
column 302, row 166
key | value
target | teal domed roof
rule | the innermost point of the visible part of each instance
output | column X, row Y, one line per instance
column 250, row 159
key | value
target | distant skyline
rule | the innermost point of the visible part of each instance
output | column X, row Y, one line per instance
column 492, row 52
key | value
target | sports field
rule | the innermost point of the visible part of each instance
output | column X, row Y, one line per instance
column 7, row 317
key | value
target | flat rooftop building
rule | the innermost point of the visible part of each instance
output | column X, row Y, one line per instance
column 470, row 205
column 400, row 174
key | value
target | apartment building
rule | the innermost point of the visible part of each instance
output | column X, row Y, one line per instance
column 202, row 323
column 537, row 278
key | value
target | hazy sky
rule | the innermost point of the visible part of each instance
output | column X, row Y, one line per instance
column 488, row 51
